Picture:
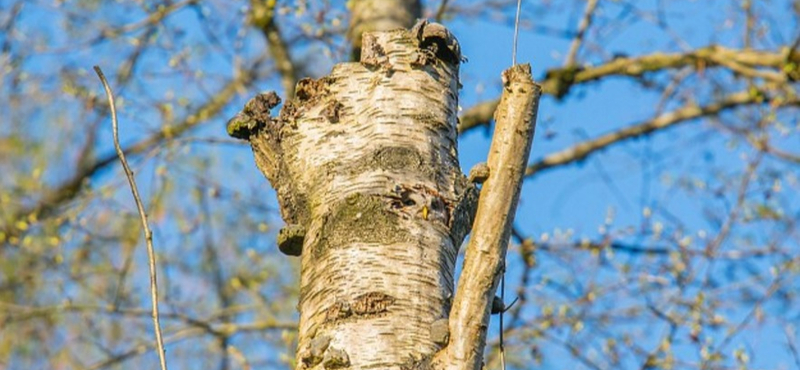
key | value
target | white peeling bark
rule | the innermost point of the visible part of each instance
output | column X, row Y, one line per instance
column 365, row 165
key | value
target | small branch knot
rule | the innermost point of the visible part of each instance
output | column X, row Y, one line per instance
column 254, row 116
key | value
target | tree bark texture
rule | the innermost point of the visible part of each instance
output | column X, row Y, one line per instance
column 365, row 165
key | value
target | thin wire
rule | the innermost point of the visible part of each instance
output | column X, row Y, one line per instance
column 502, row 299
column 516, row 34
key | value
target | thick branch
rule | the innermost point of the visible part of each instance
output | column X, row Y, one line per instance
column 688, row 113
column 557, row 82
column 485, row 254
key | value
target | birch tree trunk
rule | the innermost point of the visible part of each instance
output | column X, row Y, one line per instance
column 365, row 165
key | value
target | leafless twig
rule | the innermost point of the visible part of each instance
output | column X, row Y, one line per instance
column 586, row 21
column 148, row 235
column 789, row 330
column 441, row 11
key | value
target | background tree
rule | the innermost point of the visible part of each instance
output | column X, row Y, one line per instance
column 676, row 250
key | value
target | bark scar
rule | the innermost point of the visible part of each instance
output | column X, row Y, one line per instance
column 421, row 201
column 333, row 111
column 370, row 304
column 373, row 54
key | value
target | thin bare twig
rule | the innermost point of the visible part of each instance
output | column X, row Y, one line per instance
column 749, row 23
column 262, row 16
column 139, row 349
column 153, row 19
column 441, row 11
column 148, row 235
column 586, row 21
column 789, row 330
column 500, row 323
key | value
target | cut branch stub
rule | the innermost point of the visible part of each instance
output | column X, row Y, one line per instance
column 485, row 255
column 255, row 116
column 366, row 170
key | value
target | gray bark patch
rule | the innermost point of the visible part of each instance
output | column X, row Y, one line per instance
column 397, row 158
column 360, row 218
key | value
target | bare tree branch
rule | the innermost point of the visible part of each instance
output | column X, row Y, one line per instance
column 581, row 151
column 22, row 313
column 144, row 348
column 586, row 21
column 440, row 12
column 262, row 16
column 558, row 82
column 148, row 235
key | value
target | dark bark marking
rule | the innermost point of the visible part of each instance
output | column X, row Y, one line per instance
column 333, row 111
column 419, row 200
column 359, row 218
column 373, row 54
column 396, row 158
column 437, row 40
column 308, row 89
column 372, row 303
column 423, row 363
column 463, row 210
column 290, row 239
column 367, row 305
